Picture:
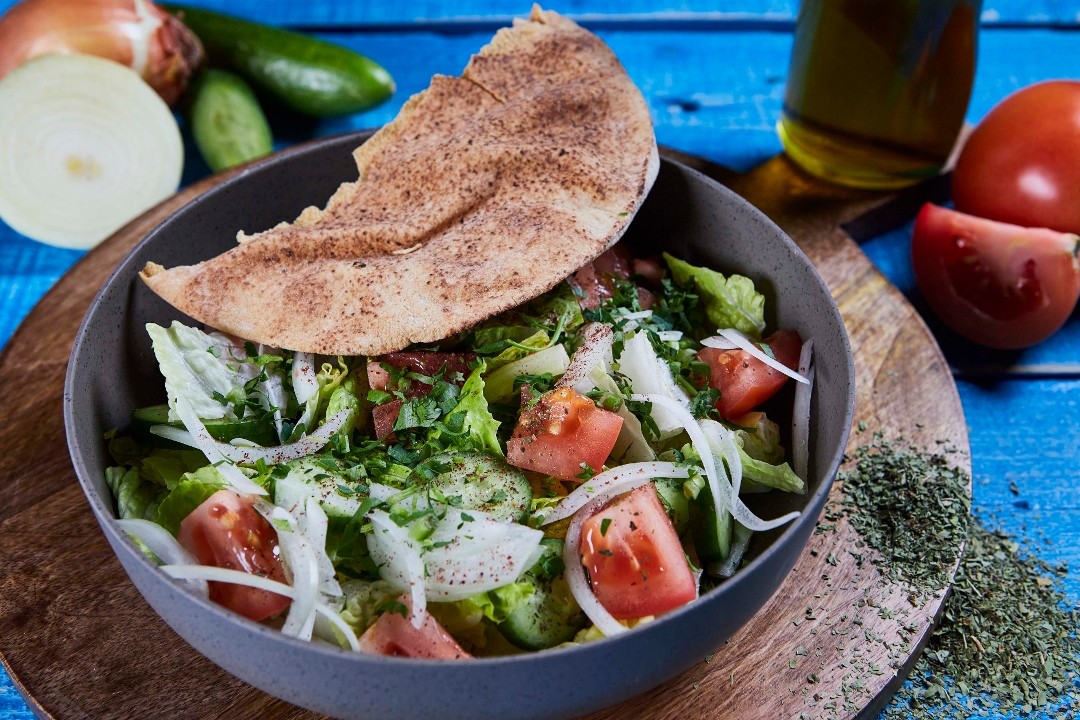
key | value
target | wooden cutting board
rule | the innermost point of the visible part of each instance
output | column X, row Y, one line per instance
column 834, row 642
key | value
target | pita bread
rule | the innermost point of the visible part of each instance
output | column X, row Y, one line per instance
column 486, row 190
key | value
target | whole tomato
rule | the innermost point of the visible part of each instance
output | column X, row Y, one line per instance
column 1021, row 164
column 998, row 284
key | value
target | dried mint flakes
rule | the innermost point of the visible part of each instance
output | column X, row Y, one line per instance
column 1007, row 634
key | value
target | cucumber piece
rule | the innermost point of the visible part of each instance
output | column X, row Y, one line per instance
column 712, row 534
column 485, row 483
column 306, row 479
column 227, row 123
column 308, row 75
column 259, row 430
column 550, row 615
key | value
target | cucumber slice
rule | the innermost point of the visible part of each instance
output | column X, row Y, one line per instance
column 485, row 483
column 259, row 430
column 712, row 534
column 550, row 615
column 307, row 479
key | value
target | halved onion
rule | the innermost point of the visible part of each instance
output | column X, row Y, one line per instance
column 85, row 147
column 736, row 339
column 800, row 416
column 619, row 479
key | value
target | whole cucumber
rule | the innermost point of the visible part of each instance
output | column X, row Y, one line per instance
column 306, row 74
column 228, row 125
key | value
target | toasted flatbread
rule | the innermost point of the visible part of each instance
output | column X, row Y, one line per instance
column 485, row 191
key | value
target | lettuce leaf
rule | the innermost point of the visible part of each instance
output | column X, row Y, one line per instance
column 479, row 427
column 762, row 441
column 167, row 467
column 203, row 369
column 729, row 302
column 189, row 493
column 498, row 604
column 779, row 477
column 135, row 497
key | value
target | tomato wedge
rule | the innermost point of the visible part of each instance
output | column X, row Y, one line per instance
column 393, row 634
column 636, row 563
column 1000, row 285
column 563, row 435
column 744, row 381
column 226, row 532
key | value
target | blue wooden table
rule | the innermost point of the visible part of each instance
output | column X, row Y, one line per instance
column 714, row 80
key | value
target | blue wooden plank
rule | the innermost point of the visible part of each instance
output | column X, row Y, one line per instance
column 487, row 13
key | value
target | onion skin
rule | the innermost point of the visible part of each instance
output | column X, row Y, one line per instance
column 135, row 33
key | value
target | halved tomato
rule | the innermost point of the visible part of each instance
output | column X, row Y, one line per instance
column 595, row 281
column 744, row 381
column 393, row 634
column 226, row 532
column 636, row 563
column 562, row 434
column 998, row 284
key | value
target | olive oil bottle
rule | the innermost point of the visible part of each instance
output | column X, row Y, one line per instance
column 878, row 89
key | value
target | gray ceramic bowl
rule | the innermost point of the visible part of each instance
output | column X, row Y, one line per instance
column 112, row 370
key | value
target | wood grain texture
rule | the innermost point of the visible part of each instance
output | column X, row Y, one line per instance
column 833, row 617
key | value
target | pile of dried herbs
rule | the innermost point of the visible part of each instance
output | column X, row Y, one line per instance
column 1007, row 634
column 912, row 507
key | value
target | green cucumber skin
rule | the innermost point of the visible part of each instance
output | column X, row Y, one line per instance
column 227, row 122
column 260, row 430
column 537, row 623
column 306, row 74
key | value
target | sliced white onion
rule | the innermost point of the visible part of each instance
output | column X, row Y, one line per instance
column 213, row 450
column 621, row 479
column 800, row 415
column 639, row 315
column 649, row 374
column 161, row 542
column 724, row 495
column 719, row 343
column 743, row 343
column 304, row 381
column 575, row 571
column 273, row 391
column 471, row 556
column 200, row 438
column 86, row 146
column 208, row 573
column 331, row 622
column 594, row 352
column 299, row 559
column 314, row 525
column 398, row 557
column 670, row 335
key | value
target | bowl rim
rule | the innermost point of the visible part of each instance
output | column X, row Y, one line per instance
column 107, row 517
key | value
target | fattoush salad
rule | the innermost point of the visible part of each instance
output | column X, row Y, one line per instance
column 562, row 472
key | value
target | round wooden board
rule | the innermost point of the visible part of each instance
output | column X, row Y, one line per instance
column 834, row 641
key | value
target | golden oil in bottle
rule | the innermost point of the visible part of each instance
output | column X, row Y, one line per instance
column 878, row 89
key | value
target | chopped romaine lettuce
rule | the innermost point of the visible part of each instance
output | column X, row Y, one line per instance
column 729, row 302
column 189, row 493
column 480, row 428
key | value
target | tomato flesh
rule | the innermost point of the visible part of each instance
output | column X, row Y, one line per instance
column 561, row 434
column 744, row 381
column 636, row 563
column 595, row 282
column 452, row 365
column 1000, row 285
column 393, row 634
column 226, row 532
column 1020, row 165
